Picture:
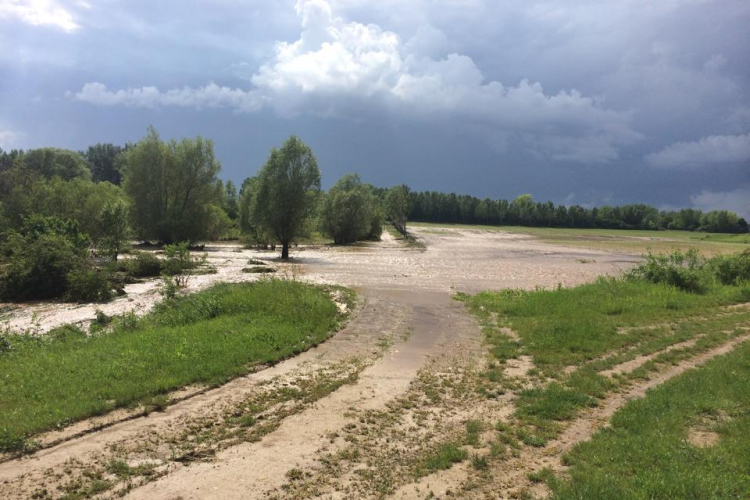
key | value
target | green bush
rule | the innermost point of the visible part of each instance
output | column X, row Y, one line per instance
column 143, row 265
column 681, row 270
column 731, row 269
column 86, row 284
column 177, row 259
column 40, row 257
column 350, row 211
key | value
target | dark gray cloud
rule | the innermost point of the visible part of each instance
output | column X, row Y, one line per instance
column 578, row 102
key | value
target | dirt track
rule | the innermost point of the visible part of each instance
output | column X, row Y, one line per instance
column 408, row 322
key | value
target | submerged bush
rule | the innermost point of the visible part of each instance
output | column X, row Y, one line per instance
column 50, row 258
column 87, row 284
column 40, row 258
column 143, row 265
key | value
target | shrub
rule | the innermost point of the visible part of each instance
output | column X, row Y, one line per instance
column 169, row 287
column 731, row 269
column 86, row 284
column 177, row 259
column 681, row 270
column 40, row 258
column 143, row 265
column 66, row 333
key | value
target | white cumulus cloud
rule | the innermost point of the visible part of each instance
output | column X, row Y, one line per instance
column 39, row 13
column 347, row 69
column 706, row 151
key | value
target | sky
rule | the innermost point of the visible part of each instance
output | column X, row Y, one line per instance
column 578, row 102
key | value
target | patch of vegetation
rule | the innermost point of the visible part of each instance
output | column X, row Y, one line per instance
column 49, row 258
column 141, row 265
column 574, row 334
column 473, row 429
column 645, row 452
column 407, row 239
column 207, row 338
column 258, row 270
column 443, row 457
column 569, row 326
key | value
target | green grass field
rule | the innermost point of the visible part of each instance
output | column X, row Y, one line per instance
column 628, row 241
column 575, row 337
column 646, row 453
column 205, row 338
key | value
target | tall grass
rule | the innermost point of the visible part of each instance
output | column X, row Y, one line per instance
column 207, row 338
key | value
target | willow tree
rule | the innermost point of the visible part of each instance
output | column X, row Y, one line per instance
column 351, row 211
column 173, row 188
column 56, row 162
column 287, row 192
column 397, row 206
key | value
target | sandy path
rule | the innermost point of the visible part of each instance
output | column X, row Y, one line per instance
column 358, row 339
column 510, row 478
column 404, row 290
column 249, row 471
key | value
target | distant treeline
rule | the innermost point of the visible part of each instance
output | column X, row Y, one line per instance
column 431, row 206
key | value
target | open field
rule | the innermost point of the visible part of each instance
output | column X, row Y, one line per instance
column 629, row 241
column 425, row 396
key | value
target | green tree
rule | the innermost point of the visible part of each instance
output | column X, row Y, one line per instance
column 397, row 206
column 8, row 158
column 40, row 257
column 113, row 230
column 231, row 202
column 172, row 187
column 103, row 161
column 78, row 199
column 288, row 189
column 349, row 210
column 523, row 208
column 55, row 162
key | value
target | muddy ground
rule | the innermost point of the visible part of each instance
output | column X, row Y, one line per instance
column 463, row 260
column 370, row 403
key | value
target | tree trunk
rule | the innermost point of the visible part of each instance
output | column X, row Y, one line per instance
column 285, row 250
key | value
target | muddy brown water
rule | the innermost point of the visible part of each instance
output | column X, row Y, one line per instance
column 404, row 290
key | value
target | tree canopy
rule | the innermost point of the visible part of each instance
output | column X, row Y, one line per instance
column 287, row 192
column 55, row 162
column 105, row 161
column 350, row 211
column 173, row 188
column 397, row 206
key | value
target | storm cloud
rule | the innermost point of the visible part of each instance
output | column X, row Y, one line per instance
column 586, row 103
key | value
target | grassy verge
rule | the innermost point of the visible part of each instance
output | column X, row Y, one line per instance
column 570, row 326
column 629, row 241
column 575, row 335
column 647, row 450
column 204, row 338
